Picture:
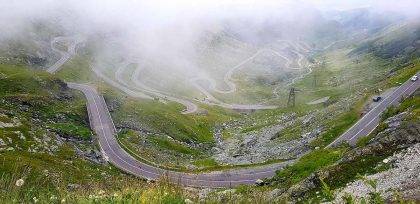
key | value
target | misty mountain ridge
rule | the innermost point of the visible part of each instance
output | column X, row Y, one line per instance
column 209, row 102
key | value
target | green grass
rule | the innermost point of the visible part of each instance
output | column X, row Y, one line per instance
column 129, row 139
column 126, row 140
column 46, row 179
column 248, row 92
column 77, row 70
column 263, row 118
column 208, row 162
column 336, row 128
column 338, row 78
column 363, row 141
column 36, row 100
column 167, row 144
column 72, row 130
column 166, row 118
column 349, row 171
column 405, row 73
column 20, row 81
column 341, row 174
column 5, row 119
column 39, row 90
column 308, row 164
column 257, row 127
column 289, row 133
column 209, row 165
column 412, row 102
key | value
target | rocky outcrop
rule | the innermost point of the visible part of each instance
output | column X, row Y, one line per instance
column 284, row 136
column 260, row 146
column 402, row 134
column 404, row 177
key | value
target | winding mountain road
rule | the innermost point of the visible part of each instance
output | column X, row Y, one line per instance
column 145, row 92
column 140, row 90
column 101, row 123
column 122, row 87
column 227, row 78
column 65, row 55
column 300, row 66
column 371, row 120
column 190, row 107
column 212, row 100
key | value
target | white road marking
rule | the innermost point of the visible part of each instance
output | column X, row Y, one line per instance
column 360, row 121
column 102, row 128
column 399, row 97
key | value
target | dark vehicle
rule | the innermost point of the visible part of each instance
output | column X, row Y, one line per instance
column 376, row 98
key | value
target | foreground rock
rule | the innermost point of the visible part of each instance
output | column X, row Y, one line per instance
column 403, row 177
column 398, row 145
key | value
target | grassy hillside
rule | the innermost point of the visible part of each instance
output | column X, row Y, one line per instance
column 157, row 131
column 48, row 152
column 42, row 162
column 150, row 129
column 44, row 135
column 328, row 165
column 399, row 40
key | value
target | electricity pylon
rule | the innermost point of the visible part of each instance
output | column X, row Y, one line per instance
column 292, row 97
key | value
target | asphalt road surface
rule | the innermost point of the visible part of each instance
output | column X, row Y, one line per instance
column 371, row 120
column 141, row 90
column 101, row 122
column 65, row 55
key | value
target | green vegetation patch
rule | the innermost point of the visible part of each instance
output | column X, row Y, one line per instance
column 346, row 172
column 404, row 74
column 337, row 127
column 166, row 117
column 412, row 103
column 171, row 145
column 208, row 162
column 308, row 164
column 369, row 157
column 72, row 130
column 77, row 70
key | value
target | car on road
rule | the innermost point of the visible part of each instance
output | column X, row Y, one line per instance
column 376, row 98
column 414, row 78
